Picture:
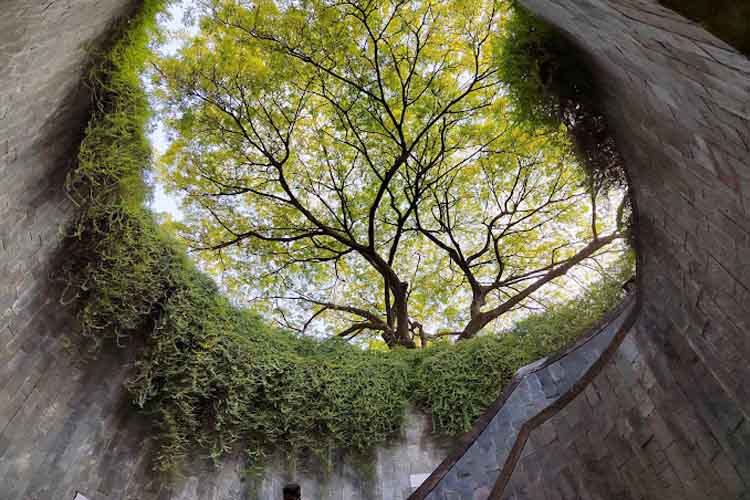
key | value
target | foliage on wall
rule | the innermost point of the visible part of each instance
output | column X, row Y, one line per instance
column 215, row 377
column 551, row 86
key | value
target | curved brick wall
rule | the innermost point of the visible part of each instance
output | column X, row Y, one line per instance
column 669, row 417
column 665, row 417
column 42, row 111
column 67, row 427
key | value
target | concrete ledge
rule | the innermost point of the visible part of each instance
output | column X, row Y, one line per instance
column 488, row 452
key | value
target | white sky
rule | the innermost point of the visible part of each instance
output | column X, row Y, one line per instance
column 175, row 26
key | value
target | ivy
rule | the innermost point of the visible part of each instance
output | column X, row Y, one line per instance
column 551, row 87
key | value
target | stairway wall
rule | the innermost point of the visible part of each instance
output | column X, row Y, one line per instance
column 666, row 418
column 669, row 417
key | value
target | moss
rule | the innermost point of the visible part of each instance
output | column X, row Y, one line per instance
column 215, row 377
column 727, row 19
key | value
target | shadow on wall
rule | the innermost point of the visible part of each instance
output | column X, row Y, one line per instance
column 727, row 19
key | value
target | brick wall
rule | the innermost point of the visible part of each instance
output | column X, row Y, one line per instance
column 65, row 422
column 42, row 111
column 654, row 424
column 667, row 418
column 678, row 100
column 540, row 389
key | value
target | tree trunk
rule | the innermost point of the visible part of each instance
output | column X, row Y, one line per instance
column 400, row 305
column 474, row 326
column 482, row 319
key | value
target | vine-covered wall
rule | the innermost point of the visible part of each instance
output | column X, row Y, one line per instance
column 43, row 108
column 67, row 423
column 668, row 417
column 677, row 99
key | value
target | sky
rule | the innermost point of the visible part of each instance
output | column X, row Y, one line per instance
column 177, row 26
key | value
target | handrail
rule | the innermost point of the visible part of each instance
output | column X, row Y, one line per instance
column 630, row 306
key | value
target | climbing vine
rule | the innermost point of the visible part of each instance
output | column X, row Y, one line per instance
column 550, row 86
column 215, row 377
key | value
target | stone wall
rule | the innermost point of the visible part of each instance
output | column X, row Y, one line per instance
column 654, row 424
column 392, row 472
column 43, row 108
column 666, row 418
column 65, row 424
column 678, row 100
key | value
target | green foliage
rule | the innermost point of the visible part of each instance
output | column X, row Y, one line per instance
column 119, row 258
column 215, row 377
column 456, row 383
column 550, row 86
column 539, row 66
column 388, row 188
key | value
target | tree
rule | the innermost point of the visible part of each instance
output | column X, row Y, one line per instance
column 357, row 158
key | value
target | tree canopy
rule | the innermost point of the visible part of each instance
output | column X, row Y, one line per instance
column 359, row 161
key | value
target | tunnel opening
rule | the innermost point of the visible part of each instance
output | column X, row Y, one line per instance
column 147, row 286
column 686, row 351
column 292, row 492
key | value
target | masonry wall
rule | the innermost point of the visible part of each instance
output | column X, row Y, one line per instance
column 666, row 419
column 679, row 102
column 541, row 388
column 669, row 418
column 654, row 424
column 43, row 108
column 66, row 425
